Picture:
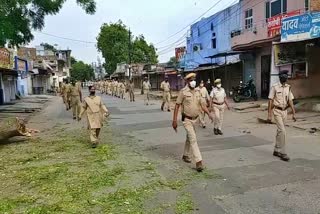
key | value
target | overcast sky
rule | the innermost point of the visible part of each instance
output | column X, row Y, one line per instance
column 156, row 20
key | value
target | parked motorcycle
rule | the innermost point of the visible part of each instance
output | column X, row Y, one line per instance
column 244, row 91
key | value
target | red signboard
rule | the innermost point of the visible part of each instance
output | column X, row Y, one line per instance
column 180, row 53
column 275, row 22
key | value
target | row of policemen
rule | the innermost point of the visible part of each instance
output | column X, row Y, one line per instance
column 196, row 102
column 72, row 96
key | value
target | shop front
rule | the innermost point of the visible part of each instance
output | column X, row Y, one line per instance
column 298, row 53
column 8, row 77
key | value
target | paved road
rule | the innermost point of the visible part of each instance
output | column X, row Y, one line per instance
column 254, row 181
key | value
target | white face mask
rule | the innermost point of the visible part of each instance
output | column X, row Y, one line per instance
column 201, row 85
column 219, row 86
column 193, row 84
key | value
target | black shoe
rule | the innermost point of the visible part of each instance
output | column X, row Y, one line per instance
column 219, row 132
column 204, row 127
column 94, row 146
column 277, row 154
column 186, row 159
column 284, row 157
column 74, row 118
column 215, row 131
column 169, row 110
column 199, row 166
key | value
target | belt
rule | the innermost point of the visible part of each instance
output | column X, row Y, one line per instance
column 281, row 109
column 191, row 118
column 220, row 104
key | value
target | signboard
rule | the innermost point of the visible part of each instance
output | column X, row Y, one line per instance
column 275, row 22
column 21, row 65
column 302, row 27
column 5, row 59
column 180, row 52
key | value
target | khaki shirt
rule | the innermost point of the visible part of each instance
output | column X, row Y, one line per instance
column 204, row 93
column 131, row 86
column 281, row 95
column 146, row 85
column 165, row 86
column 121, row 86
column 75, row 90
column 218, row 95
column 191, row 101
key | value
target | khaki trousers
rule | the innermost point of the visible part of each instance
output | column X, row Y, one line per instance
column 94, row 136
column 146, row 96
column 131, row 94
column 191, row 148
column 166, row 99
column 281, row 138
column 202, row 118
column 66, row 101
column 218, row 111
column 75, row 106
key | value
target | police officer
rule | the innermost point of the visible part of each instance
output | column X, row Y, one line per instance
column 280, row 99
column 75, row 98
column 166, row 96
column 205, row 95
column 219, row 103
column 192, row 103
column 146, row 90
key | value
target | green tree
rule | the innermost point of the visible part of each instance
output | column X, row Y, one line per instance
column 19, row 17
column 142, row 52
column 113, row 42
column 81, row 71
column 173, row 62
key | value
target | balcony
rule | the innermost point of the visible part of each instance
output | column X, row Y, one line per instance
column 246, row 38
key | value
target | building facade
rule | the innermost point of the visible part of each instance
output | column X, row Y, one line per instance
column 261, row 26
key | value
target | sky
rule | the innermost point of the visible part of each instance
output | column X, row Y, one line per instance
column 156, row 20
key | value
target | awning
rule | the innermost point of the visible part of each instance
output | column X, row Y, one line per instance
column 225, row 54
column 288, row 42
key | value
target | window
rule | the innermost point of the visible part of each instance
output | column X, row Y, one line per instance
column 212, row 27
column 248, row 19
column 275, row 7
column 198, row 31
column 214, row 43
column 306, row 4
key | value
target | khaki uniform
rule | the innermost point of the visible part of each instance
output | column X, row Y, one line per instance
column 205, row 95
column 122, row 90
column 191, row 102
column 166, row 96
column 115, row 88
column 146, row 89
column 75, row 102
column 280, row 95
column 131, row 91
column 66, row 95
column 218, row 95
column 95, row 114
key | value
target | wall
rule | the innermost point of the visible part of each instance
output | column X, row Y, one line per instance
column 315, row 5
column 248, row 36
column 309, row 87
column 222, row 26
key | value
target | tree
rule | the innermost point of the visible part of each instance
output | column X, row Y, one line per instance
column 113, row 42
column 142, row 52
column 173, row 62
column 81, row 71
column 48, row 47
column 19, row 17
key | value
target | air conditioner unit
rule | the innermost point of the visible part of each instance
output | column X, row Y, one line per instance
column 196, row 47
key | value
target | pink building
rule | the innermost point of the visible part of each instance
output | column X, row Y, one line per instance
column 261, row 22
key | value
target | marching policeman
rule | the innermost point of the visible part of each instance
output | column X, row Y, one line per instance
column 280, row 99
column 192, row 103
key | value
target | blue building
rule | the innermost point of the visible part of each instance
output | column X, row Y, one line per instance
column 209, row 48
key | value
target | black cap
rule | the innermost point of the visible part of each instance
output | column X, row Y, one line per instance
column 284, row 72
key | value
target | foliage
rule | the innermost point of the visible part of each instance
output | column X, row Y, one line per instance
column 73, row 60
column 19, row 17
column 173, row 62
column 48, row 46
column 81, row 71
column 113, row 42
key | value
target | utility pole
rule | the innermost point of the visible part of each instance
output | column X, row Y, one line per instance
column 129, row 52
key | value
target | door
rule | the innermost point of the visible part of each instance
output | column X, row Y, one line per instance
column 265, row 75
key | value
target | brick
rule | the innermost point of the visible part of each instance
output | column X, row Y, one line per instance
column 315, row 5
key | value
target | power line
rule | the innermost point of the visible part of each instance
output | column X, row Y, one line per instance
column 190, row 23
column 65, row 38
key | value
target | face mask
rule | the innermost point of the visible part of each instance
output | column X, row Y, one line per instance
column 193, row 84
column 283, row 78
column 92, row 93
column 219, row 86
column 201, row 85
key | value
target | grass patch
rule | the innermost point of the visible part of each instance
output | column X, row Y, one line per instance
column 184, row 204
